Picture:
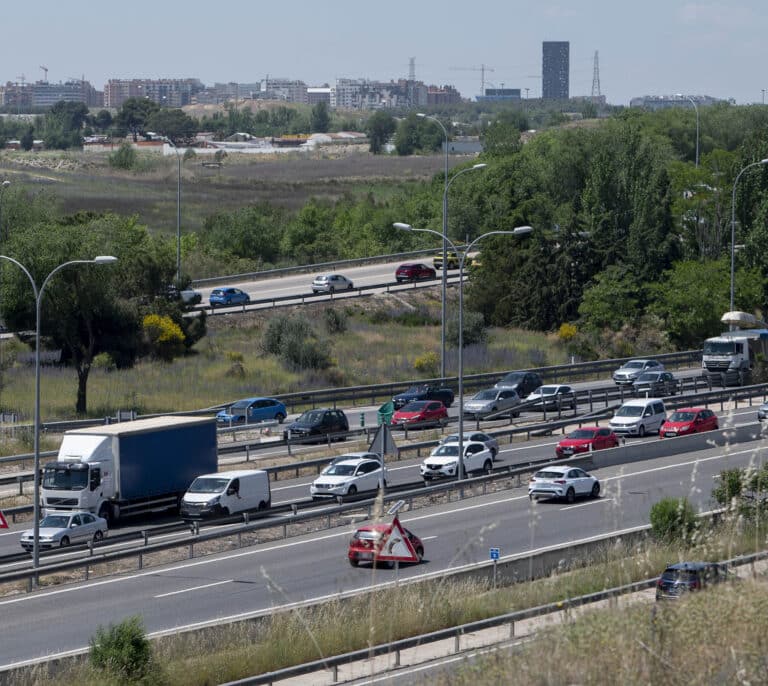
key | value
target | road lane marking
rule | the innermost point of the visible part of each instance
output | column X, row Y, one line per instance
column 194, row 588
column 591, row 502
column 428, row 538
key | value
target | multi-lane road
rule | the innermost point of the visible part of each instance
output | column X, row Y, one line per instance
column 266, row 577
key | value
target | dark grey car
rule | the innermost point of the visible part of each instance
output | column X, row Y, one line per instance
column 657, row 384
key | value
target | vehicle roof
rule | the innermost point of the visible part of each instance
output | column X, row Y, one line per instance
column 138, row 425
column 691, row 565
column 558, row 468
column 254, row 399
column 689, row 409
column 465, row 442
column 69, row 513
column 638, row 359
column 641, row 401
column 590, row 428
column 232, row 474
column 355, row 460
column 352, row 456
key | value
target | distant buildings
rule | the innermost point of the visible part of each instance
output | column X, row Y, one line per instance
column 500, row 95
column 555, row 70
column 41, row 94
column 165, row 92
column 665, row 102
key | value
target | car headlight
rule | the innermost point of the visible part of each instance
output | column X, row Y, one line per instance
column 684, row 428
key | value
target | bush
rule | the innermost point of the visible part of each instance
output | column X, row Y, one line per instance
column 427, row 364
column 123, row 652
column 335, row 321
column 292, row 339
column 474, row 329
column 163, row 337
column 124, row 157
column 673, row 520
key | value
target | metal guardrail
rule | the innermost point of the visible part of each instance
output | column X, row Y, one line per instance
column 457, row 632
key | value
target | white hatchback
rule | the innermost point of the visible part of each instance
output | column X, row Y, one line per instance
column 562, row 482
column 348, row 477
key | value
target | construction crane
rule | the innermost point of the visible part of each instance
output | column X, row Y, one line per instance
column 45, row 73
column 482, row 69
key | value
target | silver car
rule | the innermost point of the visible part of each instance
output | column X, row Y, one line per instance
column 60, row 529
column 629, row 371
column 475, row 436
column 492, row 400
column 330, row 283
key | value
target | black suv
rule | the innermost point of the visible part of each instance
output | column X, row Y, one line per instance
column 524, row 383
column 423, row 392
column 321, row 422
column 690, row 576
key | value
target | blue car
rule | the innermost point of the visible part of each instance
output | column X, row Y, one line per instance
column 252, row 410
column 223, row 297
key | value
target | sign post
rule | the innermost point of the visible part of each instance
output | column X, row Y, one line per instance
column 382, row 444
column 495, row 553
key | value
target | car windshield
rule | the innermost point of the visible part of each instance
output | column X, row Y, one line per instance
column 485, row 395
column 544, row 474
column 340, row 470
column 207, row 485
column 321, row 278
column 679, row 575
column 514, row 377
column 681, row 416
column 240, row 405
column 416, row 389
column 648, row 376
column 449, row 450
column 630, row 411
column 581, row 433
column 55, row 522
column 415, row 406
column 311, row 417
column 634, row 365
column 545, row 390
column 64, row 479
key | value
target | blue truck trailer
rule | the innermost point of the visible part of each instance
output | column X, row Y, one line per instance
column 129, row 468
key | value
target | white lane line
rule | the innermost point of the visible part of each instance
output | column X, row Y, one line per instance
column 591, row 502
column 428, row 538
column 194, row 588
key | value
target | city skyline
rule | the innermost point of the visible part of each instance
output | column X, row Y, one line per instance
column 661, row 48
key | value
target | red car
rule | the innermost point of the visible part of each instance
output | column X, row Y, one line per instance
column 689, row 420
column 367, row 542
column 585, row 439
column 421, row 412
column 414, row 271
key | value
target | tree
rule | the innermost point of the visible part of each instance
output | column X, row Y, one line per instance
column 673, row 520
column 134, row 115
column 612, row 300
column 27, row 141
column 86, row 309
column 320, row 119
column 103, row 120
column 173, row 124
column 380, row 127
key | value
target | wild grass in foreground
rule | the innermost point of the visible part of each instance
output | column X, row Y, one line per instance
column 233, row 652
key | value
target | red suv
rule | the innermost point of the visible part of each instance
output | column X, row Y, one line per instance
column 414, row 271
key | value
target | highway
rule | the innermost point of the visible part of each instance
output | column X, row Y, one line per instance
column 312, row 567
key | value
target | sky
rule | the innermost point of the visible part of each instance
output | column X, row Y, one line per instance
column 653, row 47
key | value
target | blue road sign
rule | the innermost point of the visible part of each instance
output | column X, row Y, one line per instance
column 495, row 553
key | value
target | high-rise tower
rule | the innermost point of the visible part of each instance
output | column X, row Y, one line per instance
column 555, row 70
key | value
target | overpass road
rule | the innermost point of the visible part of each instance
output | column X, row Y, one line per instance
column 266, row 577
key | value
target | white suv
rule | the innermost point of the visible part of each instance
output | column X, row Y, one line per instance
column 444, row 460
column 348, row 477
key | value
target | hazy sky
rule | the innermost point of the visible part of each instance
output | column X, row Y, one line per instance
column 651, row 47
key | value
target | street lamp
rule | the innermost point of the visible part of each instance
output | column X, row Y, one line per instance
column 517, row 231
column 178, row 211
column 733, row 225
column 3, row 186
column 695, row 107
column 100, row 259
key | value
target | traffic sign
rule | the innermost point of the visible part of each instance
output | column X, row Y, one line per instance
column 495, row 553
column 3, row 522
column 395, row 546
column 383, row 443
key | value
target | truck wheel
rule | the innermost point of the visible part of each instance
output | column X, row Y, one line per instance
column 105, row 512
column 64, row 542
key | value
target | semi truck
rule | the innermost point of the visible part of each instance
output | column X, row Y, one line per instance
column 728, row 359
column 130, row 467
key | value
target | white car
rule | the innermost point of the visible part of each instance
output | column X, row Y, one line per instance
column 60, row 529
column 348, row 477
column 629, row 371
column 553, row 396
column 492, row 400
column 490, row 442
column 562, row 482
column 330, row 283
column 444, row 460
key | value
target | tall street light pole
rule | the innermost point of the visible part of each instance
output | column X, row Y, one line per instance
column 517, row 231
column 733, row 225
column 101, row 259
column 3, row 186
column 695, row 107
column 178, row 210
column 444, row 275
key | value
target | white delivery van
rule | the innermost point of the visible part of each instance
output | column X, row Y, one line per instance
column 226, row 493
column 639, row 417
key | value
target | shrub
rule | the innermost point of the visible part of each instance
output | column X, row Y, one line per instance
column 163, row 336
column 124, row 157
column 104, row 361
column 566, row 332
column 744, row 491
column 673, row 520
column 427, row 364
column 474, row 329
column 123, row 651
column 292, row 339
column 335, row 321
